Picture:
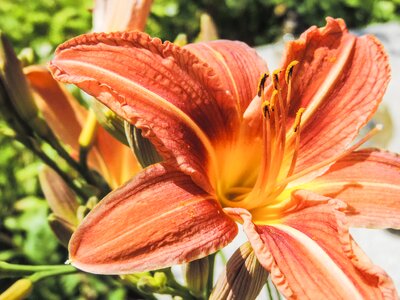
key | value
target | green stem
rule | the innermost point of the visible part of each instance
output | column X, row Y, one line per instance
column 48, row 161
column 269, row 291
column 5, row 266
column 62, row 270
column 174, row 288
column 210, row 280
column 14, row 270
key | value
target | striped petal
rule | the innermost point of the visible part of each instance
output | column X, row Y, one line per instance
column 237, row 65
column 165, row 90
column 340, row 80
column 158, row 219
column 310, row 254
column 369, row 182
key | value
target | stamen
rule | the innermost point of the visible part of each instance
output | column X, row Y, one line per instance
column 288, row 79
column 265, row 107
column 261, row 84
column 297, row 121
column 289, row 71
column 333, row 159
column 273, row 100
column 275, row 78
column 296, row 129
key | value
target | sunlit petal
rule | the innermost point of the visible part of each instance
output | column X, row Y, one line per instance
column 369, row 182
column 158, row 219
column 310, row 254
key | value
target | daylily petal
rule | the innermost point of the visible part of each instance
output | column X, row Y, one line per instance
column 159, row 87
column 340, row 80
column 116, row 15
column 310, row 255
column 237, row 65
column 158, row 219
column 369, row 182
column 118, row 163
column 60, row 109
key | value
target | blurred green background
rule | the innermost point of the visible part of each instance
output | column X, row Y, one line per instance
column 41, row 25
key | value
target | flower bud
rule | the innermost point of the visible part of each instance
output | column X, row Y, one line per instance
column 152, row 284
column 196, row 276
column 61, row 229
column 243, row 277
column 109, row 120
column 61, row 199
column 144, row 150
column 88, row 133
column 26, row 57
column 181, row 40
column 17, row 90
column 19, row 290
column 208, row 30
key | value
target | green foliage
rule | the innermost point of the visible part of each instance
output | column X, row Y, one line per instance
column 43, row 24
column 263, row 21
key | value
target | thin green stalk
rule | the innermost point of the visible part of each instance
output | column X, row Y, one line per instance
column 278, row 295
column 14, row 270
column 47, row 160
column 174, row 288
column 269, row 290
column 223, row 257
column 62, row 270
column 210, row 281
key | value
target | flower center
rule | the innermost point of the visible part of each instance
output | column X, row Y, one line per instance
column 263, row 182
column 276, row 158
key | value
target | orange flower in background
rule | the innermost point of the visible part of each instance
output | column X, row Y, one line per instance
column 273, row 154
column 66, row 117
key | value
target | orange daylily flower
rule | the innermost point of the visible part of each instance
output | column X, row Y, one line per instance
column 272, row 153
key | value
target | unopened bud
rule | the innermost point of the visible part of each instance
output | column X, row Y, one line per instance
column 181, row 40
column 144, row 150
column 88, row 133
column 59, row 196
column 61, row 229
column 243, row 277
column 132, row 279
column 18, row 291
column 196, row 276
column 17, row 89
column 208, row 30
column 109, row 120
column 26, row 57
column 152, row 284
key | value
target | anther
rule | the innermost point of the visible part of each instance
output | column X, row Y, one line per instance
column 297, row 121
column 289, row 70
column 275, row 78
column 265, row 107
column 261, row 83
column 273, row 99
